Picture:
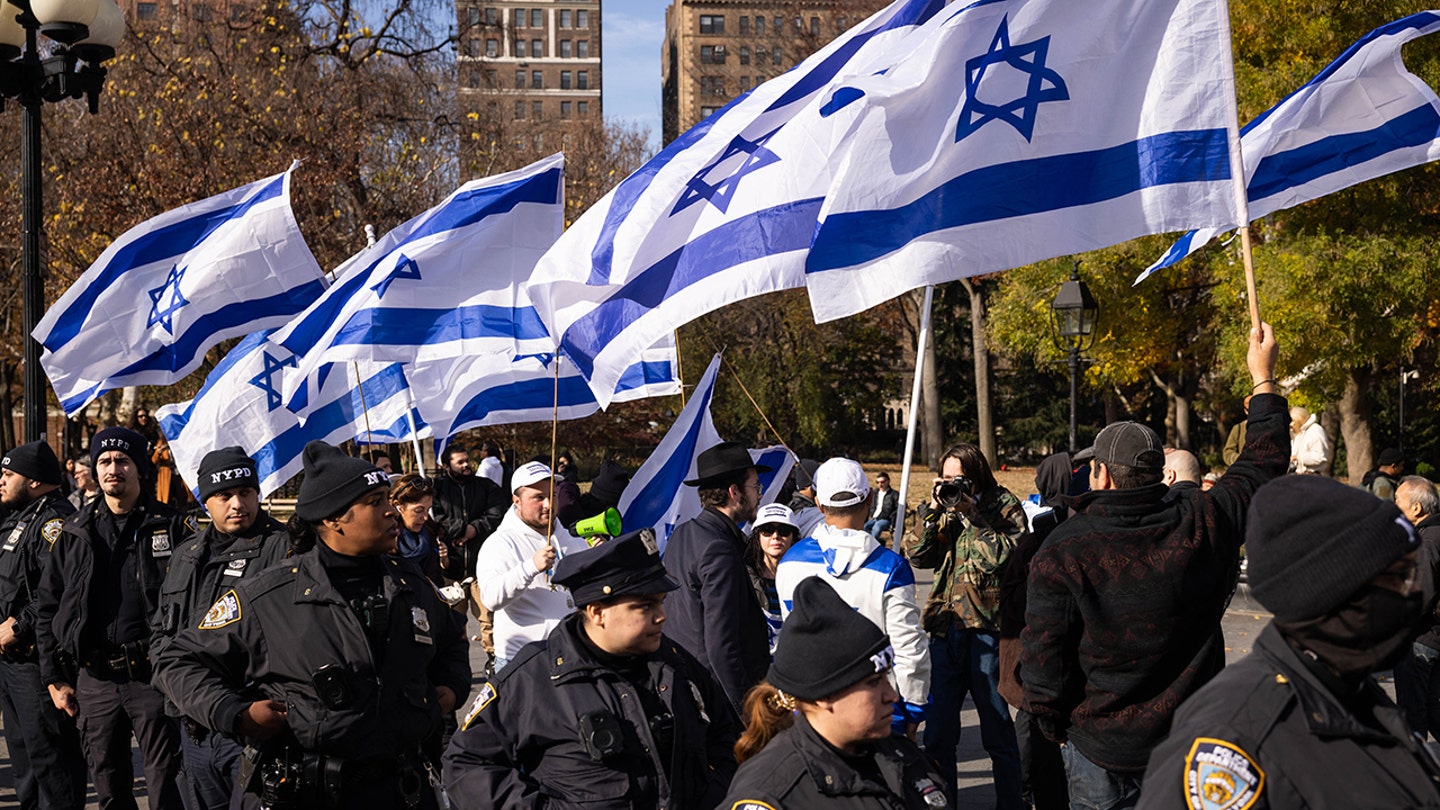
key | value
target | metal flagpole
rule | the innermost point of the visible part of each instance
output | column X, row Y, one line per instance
column 914, row 411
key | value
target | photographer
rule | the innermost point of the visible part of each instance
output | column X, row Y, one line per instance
column 969, row 530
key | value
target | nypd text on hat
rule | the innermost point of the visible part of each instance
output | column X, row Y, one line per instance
column 375, row 477
column 114, row 444
column 231, row 475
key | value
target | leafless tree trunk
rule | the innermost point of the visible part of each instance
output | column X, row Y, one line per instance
column 984, row 403
column 1354, row 410
column 930, row 395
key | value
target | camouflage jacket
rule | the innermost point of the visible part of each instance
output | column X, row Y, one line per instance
column 967, row 556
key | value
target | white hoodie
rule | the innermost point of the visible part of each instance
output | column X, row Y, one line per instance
column 1310, row 447
column 526, row 607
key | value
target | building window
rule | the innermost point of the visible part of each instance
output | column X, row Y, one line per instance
column 777, row 57
column 492, row 48
column 744, row 53
column 712, row 54
column 537, row 48
column 712, row 85
column 520, row 48
column 564, row 109
column 537, row 18
column 582, row 49
column 519, row 18
column 842, row 24
column 583, row 107
column 519, row 111
column 564, row 80
column 492, row 78
column 539, row 142
column 706, row 112
column 712, row 23
column 564, row 49
column 814, row 26
column 779, row 24
column 744, row 83
column 582, row 80
column 744, row 25
column 201, row 12
column 519, row 80
column 537, row 80
column 760, row 26
column 537, row 110
column 145, row 11
column 474, row 79
column 492, row 16
column 474, row 15
column 582, row 19
column 564, row 18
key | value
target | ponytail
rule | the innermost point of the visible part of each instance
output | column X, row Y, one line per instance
column 768, row 711
column 302, row 535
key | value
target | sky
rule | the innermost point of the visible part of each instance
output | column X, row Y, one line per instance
column 633, row 33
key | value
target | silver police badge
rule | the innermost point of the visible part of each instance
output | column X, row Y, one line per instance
column 160, row 543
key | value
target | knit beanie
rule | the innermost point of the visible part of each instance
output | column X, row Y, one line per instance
column 35, row 461
column 226, row 468
column 1312, row 541
column 125, row 440
column 825, row 646
column 610, row 481
column 333, row 481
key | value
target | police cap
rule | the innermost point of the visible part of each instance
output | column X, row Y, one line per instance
column 629, row 564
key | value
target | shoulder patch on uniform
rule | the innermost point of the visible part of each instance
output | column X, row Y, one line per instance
column 191, row 523
column 751, row 804
column 224, row 612
column 1220, row 776
column 485, row 697
column 51, row 530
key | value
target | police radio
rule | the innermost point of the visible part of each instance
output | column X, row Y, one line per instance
column 600, row 528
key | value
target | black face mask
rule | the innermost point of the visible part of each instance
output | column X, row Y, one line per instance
column 1370, row 632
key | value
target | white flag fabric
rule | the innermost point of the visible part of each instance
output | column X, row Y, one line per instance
column 1362, row 117
column 241, row 404
column 656, row 496
column 173, row 286
column 1017, row 131
column 469, row 392
column 723, row 213
column 445, row 284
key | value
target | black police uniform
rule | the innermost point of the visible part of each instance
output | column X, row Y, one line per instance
column 526, row 742
column 357, row 675
column 1268, row 732
column 45, row 755
column 96, row 597
column 203, row 568
column 798, row 770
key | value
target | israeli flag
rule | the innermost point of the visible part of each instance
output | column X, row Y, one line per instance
column 445, row 284
column 1364, row 116
column 723, row 213
column 170, row 288
column 1021, row 130
column 656, row 496
column 240, row 404
column 481, row 390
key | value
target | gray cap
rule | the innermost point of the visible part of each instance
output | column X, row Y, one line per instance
column 1130, row 444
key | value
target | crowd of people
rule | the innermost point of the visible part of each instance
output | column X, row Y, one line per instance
column 760, row 657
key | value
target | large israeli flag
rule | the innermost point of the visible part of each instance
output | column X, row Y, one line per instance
column 241, row 404
column 1018, row 130
column 1362, row 117
column 723, row 213
column 445, row 284
column 170, row 288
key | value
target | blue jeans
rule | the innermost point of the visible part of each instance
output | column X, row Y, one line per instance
column 210, row 766
column 875, row 527
column 1094, row 788
column 969, row 661
column 1417, row 689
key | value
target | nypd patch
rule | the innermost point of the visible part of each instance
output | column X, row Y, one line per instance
column 224, row 612
column 1220, row 776
column 51, row 530
column 751, row 804
column 485, row 697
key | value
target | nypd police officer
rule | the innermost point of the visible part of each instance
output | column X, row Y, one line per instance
column 818, row 729
column 45, row 757
column 97, row 594
column 241, row 541
column 606, row 712
column 337, row 665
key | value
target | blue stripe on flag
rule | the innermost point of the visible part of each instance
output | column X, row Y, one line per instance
column 523, row 395
column 173, row 240
column 780, row 229
column 328, row 418
column 655, row 499
column 775, row 460
column 397, row 431
column 398, row 326
column 640, row 375
column 1285, row 170
column 172, row 424
column 1022, row 188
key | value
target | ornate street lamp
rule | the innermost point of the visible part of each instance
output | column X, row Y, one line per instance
column 83, row 35
column 1073, row 315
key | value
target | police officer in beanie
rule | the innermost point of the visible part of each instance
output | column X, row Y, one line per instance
column 817, row 730
column 607, row 711
column 1300, row 722
column 337, row 665
column 97, row 594
column 48, row 766
column 241, row 541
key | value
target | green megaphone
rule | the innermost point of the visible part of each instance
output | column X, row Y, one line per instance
column 603, row 526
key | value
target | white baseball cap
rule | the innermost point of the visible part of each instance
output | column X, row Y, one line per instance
column 841, row 482
column 529, row 475
column 772, row 513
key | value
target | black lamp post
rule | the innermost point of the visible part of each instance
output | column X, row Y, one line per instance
column 1072, row 318
column 82, row 36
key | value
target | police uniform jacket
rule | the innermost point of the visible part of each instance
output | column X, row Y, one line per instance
column 198, row 576
column 269, row 635
column 63, row 620
column 798, row 770
column 27, row 537
column 521, row 744
column 1268, row 733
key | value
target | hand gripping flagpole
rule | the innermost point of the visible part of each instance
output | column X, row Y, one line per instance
column 1237, row 171
column 920, row 342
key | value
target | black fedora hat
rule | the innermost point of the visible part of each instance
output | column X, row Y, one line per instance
column 722, row 461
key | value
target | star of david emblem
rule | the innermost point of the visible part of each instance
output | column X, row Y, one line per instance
column 405, row 267
column 720, row 193
column 265, row 379
column 1043, row 85
column 164, row 313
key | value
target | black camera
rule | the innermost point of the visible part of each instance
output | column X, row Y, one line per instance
column 332, row 686
column 949, row 493
column 600, row 734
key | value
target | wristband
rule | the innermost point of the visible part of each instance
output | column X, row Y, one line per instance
column 1262, row 382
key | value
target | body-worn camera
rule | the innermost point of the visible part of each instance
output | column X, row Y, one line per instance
column 600, row 734
column 949, row 493
column 332, row 686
